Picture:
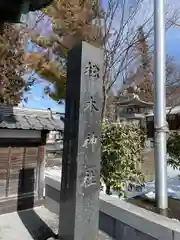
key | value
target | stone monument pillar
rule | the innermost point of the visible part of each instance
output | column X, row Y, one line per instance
column 80, row 184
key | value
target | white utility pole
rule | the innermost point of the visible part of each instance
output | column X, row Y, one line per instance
column 160, row 105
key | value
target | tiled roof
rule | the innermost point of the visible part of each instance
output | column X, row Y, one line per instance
column 24, row 118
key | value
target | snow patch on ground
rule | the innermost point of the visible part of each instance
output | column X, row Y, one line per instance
column 173, row 183
column 149, row 189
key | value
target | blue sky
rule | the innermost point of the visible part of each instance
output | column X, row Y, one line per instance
column 36, row 100
column 173, row 42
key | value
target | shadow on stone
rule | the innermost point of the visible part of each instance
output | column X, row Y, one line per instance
column 36, row 227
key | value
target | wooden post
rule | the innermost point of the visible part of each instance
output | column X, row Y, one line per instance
column 80, row 184
column 8, row 170
column 41, row 172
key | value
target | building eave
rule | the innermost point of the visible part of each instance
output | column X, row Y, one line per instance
column 132, row 101
column 169, row 111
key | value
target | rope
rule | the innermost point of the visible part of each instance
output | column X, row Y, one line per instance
column 164, row 129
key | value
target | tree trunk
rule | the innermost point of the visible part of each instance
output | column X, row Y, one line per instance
column 103, row 112
column 108, row 189
column 116, row 117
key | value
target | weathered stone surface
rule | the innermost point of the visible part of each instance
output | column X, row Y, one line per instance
column 125, row 232
column 120, row 220
column 43, row 225
column 79, row 204
column 38, row 223
column 176, row 235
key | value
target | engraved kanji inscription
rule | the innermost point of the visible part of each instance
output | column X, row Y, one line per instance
column 91, row 105
column 90, row 140
column 92, row 70
column 89, row 178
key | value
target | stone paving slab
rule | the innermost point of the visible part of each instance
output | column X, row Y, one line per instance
column 37, row 224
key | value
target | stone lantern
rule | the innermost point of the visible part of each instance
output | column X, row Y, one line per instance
column 11, row 10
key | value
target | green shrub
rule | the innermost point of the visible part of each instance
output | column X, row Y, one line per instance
column 173, row 149
column 122, row 145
